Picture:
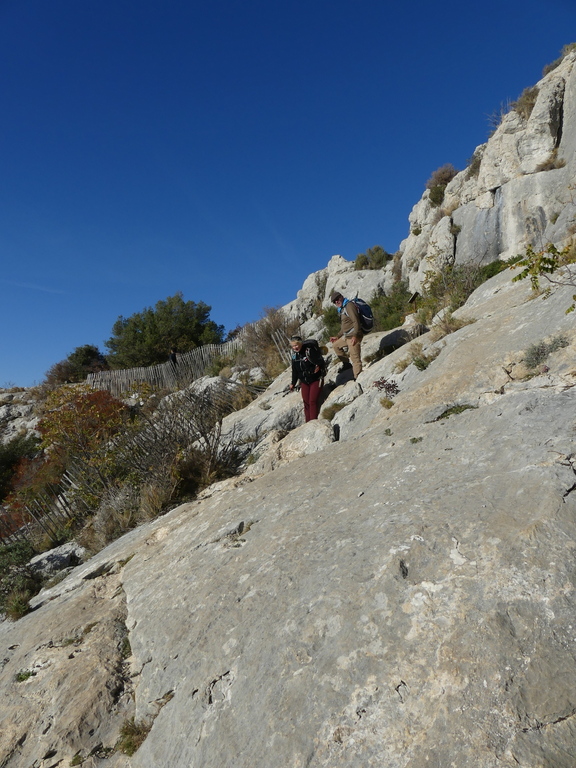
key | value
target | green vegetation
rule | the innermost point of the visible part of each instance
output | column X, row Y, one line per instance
column 474, row 163
column 132, row 736
column 390, row 310
column 11, row 454
column 536, row 354
column 18, row 583
column 331, row 320
column 24, row 675
column 145, row 338
column 555, row 266
column 438, row 182
column 449, row 286
column 373, row 258
column 77, row 366
column 330, row 411
column 524, row 104
column 565, row 51
column 417, row 356
column 454, row 410
column 266, row 341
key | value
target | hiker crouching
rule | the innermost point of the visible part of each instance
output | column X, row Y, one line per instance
column 308, row 369
column 349, row 343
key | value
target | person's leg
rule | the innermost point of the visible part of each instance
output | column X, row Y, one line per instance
column 342, row 354
column 356, row 357
column 313, row 398
column 305, row 389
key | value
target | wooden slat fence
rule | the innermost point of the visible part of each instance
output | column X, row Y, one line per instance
column 190, row 366
column 49, row 513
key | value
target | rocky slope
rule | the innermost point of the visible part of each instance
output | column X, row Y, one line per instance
column 404, row 595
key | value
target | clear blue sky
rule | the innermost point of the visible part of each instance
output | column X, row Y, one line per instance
column 228, row 149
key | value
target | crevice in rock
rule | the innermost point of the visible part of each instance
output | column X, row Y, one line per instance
column 215, row 691
column 541, row 726
column 402, row 691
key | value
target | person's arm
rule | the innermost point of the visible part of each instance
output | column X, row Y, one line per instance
column 356, row 329
column 294, row 374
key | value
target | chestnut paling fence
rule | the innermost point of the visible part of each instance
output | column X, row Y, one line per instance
column 50, row 513
column 189, row 367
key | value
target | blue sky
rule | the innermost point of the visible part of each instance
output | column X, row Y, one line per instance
column 228, row 149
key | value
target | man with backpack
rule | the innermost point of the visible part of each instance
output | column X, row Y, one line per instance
column 348, row 345
column 308, row 367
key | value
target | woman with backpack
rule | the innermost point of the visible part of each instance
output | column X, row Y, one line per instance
column 308, row 368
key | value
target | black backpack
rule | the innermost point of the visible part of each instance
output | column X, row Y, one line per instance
column 313, row 343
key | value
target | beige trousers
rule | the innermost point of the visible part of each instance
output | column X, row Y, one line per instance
column 352, row 352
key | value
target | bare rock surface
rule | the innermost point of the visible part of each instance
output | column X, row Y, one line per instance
column 402, row 597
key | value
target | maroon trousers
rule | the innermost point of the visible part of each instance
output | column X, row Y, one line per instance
column 310, row 396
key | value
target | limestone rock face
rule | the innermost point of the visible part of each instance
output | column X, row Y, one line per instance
column 17, row 415
column 340, row 275
column 521, row 195
column 404, row 596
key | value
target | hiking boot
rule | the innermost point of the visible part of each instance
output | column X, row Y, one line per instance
column 344, row 367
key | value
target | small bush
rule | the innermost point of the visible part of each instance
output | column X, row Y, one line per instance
column 416, row 231
column 24, row 674
column 536, row 354
column 330, row 411
column 390, row 309
column 474, row 163
column 220, row 365
column 442, row 176
column 132, row 736
column 18, row 582
column 525, row 102
column 416, row 439
column 390, row 388
column 374, row 258
column 11, row 453
column 552, row 163
column 266, row 340
column 455, row 409
column 385, row 402
column 448, row 324
column 546, row 264
column 436, row 195
column 438, row 182
column 331, row 319
column 565, row 51
column 423, row 361
column 417, row 356
column 450, row 286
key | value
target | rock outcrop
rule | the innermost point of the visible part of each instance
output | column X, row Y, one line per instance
column 17, row 413
column 518, row 189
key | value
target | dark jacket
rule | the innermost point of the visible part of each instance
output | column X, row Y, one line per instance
column 304, row 362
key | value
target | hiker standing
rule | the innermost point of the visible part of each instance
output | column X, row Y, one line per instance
column 308, row 368
column 349, row 343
